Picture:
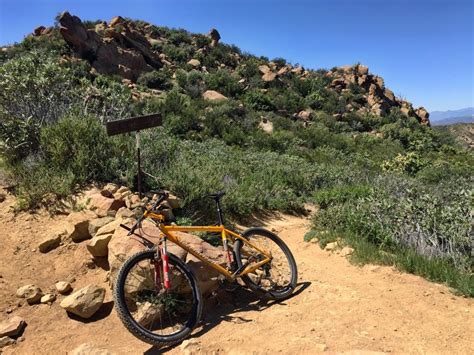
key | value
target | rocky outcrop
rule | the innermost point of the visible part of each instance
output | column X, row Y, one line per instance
column 215, row 36
column 377, row 99
column 118, row 49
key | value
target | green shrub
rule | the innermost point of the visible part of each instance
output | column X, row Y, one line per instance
column 341, row 194
column 158, row 79
column 258, row 100
column 224, row 82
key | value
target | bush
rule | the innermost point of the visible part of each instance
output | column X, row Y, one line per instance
column 158, row 79
column 258, row 100
column 223, row 81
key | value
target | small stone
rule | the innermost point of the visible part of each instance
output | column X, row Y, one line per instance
column 84, row 302
column 50, row 243
column 63, row 287
column 331, row 246
column 320, row 347
column 12, row 327
column 48, row 298
column 346, row 251
column 31, row 293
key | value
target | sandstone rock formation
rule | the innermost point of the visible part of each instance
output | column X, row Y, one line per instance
column 214, row 36
column 122, row 49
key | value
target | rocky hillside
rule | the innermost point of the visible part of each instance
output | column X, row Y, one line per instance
column 130, row 49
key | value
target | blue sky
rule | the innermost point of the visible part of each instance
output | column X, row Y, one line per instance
column 422, row 48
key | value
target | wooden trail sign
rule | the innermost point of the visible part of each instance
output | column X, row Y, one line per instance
column 134, row 124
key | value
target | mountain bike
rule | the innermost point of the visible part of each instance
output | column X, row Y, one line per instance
column 157, row 296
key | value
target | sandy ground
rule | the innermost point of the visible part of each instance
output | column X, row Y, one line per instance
column 338, row 307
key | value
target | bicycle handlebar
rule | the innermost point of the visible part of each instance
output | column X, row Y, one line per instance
column 163, row 196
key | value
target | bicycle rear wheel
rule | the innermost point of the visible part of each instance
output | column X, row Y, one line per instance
column 152, row 313
column 275, row 279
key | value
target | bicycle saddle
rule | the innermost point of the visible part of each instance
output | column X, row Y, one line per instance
column 216, row 196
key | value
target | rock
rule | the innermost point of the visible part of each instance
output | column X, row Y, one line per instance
column 12, row 327
column 362, row 70
column 48, row 298
column 96, row 224
column 98, row 245
column 346, row 251
column 109, row 190
column 31, row 293
column 266, row 126
column 283, row 70
column 168, row 214
column 5, row 341
column 264, row 69
column 211, row 95
column 124, row 213
column 63, row 287
column 319, row 347
column 268, row 77
column 50, row 243
column 109, row 228
column 89, row 349
column 297, row 70
column 116, row 21
column 331, row 246
column 78, row 225
column 423, row 115
column 122, row 189
column 304, row 115
column 214, row 36
column 174, row 202
column 102, row 205
column 84, row 302
column 194, row 63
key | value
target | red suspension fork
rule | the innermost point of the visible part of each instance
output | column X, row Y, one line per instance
column 165, row 261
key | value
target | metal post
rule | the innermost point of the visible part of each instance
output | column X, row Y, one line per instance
column 139, row 175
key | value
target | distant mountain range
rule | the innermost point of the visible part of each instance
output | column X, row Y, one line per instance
column 464, row 115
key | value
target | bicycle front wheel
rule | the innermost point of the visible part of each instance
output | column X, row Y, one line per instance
column 152, row 313
column 275, row 279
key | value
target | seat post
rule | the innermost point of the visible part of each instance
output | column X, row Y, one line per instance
column 219, row 212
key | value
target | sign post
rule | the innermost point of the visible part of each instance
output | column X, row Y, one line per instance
column 134, row 124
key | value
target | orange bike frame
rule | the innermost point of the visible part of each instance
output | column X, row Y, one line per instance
column 226, row 234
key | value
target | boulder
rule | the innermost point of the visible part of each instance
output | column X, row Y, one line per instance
column 266, row 126
column 31, row 293
column 174, row 202
column 211, row 95
column 12, row 327
column 102, row 205
column 194, row 63
column 304, row 115
column 297, row 70
column 84, row 302
column 63, row 287
column 110, row 228
column 98, row 245
column 109, row 189
column 264, row 69
column 77, row 227
column 268, row 77
column 214, row 36
column 50, row 243
column 48, row 298
column 83, row 42
column 362, row 70
column 116, row 21
column 96, row 224
column 423, row 115
column 124, row 212
column 122, row 189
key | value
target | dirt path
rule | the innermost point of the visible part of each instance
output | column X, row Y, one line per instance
column 339, row 308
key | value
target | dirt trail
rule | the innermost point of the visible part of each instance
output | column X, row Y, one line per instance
column 340, row 308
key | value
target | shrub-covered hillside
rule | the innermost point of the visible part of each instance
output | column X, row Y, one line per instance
column 272, row 134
